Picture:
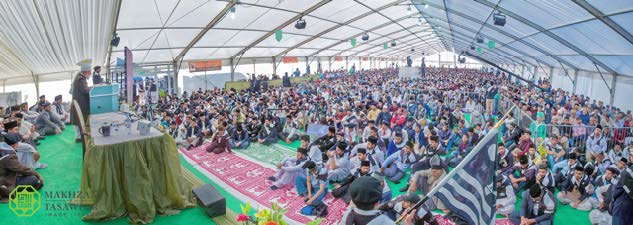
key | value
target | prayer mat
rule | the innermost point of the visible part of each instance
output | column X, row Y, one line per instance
column 246, row 178
column 245, row 173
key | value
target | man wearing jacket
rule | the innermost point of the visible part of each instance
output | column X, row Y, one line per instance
column 577, row 190
column 12, row 173
column 538, row 209
column 267, row 135
column 239, row 138
column 48, row 124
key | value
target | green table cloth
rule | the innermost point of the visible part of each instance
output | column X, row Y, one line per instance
column 139, row 178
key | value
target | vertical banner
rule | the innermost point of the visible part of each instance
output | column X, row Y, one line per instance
column 385, row 46
column 129, row 75
column 491, row 45
column 353, row 42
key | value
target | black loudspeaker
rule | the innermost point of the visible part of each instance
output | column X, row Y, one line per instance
column 301, row 24
column 210, row 200
column 365, row 37
column 499, row 19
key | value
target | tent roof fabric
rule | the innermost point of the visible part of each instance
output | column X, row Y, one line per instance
column 43, row 37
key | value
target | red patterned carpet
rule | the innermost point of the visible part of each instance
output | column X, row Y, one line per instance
column 246, row 178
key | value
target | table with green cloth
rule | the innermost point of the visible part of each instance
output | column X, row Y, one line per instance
column 129, row 173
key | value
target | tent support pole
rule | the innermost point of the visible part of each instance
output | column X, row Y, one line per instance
column 274, row 65
column 36, row 81
column 613, row 85
column 114, row 25
column 330, row 63
column 601, row 76
column 575, row 80
column 232, row 69
column 551, row 74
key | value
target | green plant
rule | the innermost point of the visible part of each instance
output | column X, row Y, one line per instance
column 272, row 216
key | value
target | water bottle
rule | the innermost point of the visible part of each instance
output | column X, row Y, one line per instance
column 128, row 123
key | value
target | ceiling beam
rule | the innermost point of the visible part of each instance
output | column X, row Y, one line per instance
column 389, row 18
column 465, row 35
column 501, row 32
column 399, row 49
column 384, row 36
column 368, row 30
column 320, row 34
column 204, row 31
column 288, row 22
column 606, row 20
column 548, row 33
column 448, row 19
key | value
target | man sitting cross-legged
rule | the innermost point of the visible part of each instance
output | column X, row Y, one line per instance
column 239, row 138
column 12, row 172
column 268, row 134
column 340, row 190
column 396, row 165
column 289, row 169
column 27, row 154
column 427, row 180
column 577, row 190
column 538, row 209
column 313, row 186
column 338, row 163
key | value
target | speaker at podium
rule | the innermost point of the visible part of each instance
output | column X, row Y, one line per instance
column 104, row 99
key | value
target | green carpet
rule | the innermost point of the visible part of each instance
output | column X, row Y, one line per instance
column 64, row 174
column 64, row 159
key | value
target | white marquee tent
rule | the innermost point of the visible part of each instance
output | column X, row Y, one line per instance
column 583, row 46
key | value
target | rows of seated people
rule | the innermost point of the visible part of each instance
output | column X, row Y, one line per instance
column 379, row 124
column 22, row 128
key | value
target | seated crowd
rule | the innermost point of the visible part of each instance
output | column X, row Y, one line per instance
column 22, row 128
column 382, row 128
column 385, row 127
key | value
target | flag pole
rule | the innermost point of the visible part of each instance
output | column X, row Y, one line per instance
column 460, row 166
column 505, row 116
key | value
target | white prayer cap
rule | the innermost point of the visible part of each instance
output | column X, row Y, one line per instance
column 86, row 64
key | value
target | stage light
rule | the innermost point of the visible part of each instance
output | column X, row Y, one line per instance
column 393, row 44
column 412, row 49
column 301, row 24
column 365, row 37
column 472, row 47
column 232, row 13
column 499, row 19
column 115, row 40
column 480, row 39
